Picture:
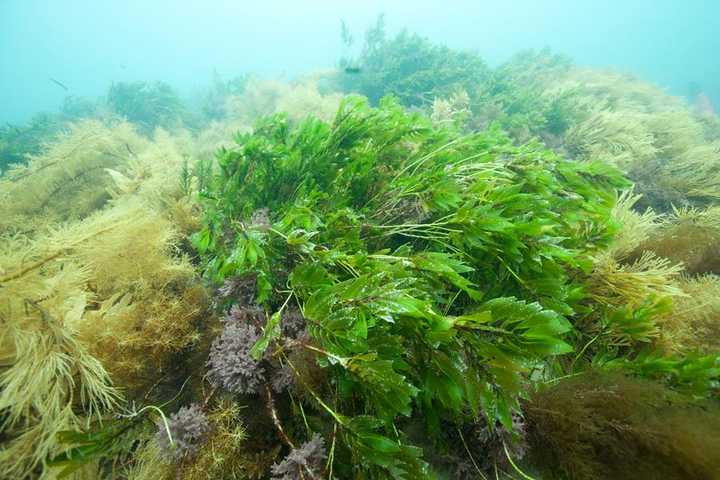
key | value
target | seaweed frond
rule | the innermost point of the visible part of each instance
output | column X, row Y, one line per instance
column 68, row 180
column 636, row 228
column 615, row 284
column 690, row 236
column 149, row 298
column 621, row 138
column 694, row 323
column 266, row 97
column 52, row 376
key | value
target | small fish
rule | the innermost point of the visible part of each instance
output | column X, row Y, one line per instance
column 352, row 70
column 130, row 150
column 59, row 84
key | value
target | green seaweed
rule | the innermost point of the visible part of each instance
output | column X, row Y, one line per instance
column 149, row 105
column 410, row 67
column 433, row 269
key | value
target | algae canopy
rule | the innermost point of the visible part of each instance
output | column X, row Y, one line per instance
column 416, row 262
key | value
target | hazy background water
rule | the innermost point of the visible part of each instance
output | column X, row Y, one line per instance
column 87, row 44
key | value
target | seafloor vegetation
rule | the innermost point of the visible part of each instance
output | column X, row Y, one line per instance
column 414, row 266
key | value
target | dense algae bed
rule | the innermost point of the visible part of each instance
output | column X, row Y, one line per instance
column 466, row 273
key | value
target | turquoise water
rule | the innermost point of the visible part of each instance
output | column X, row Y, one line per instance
column 88, row 45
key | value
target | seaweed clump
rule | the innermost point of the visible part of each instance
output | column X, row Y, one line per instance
column 690, row 236
column 93, row 298
column 19, row 142
column 307, row 459
column 230, row 364
column 188, row 428
column 148, row 105
column 668, row 149
column 410, row 67
column 416, row 256
column 601, row 425
column 67, row 180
